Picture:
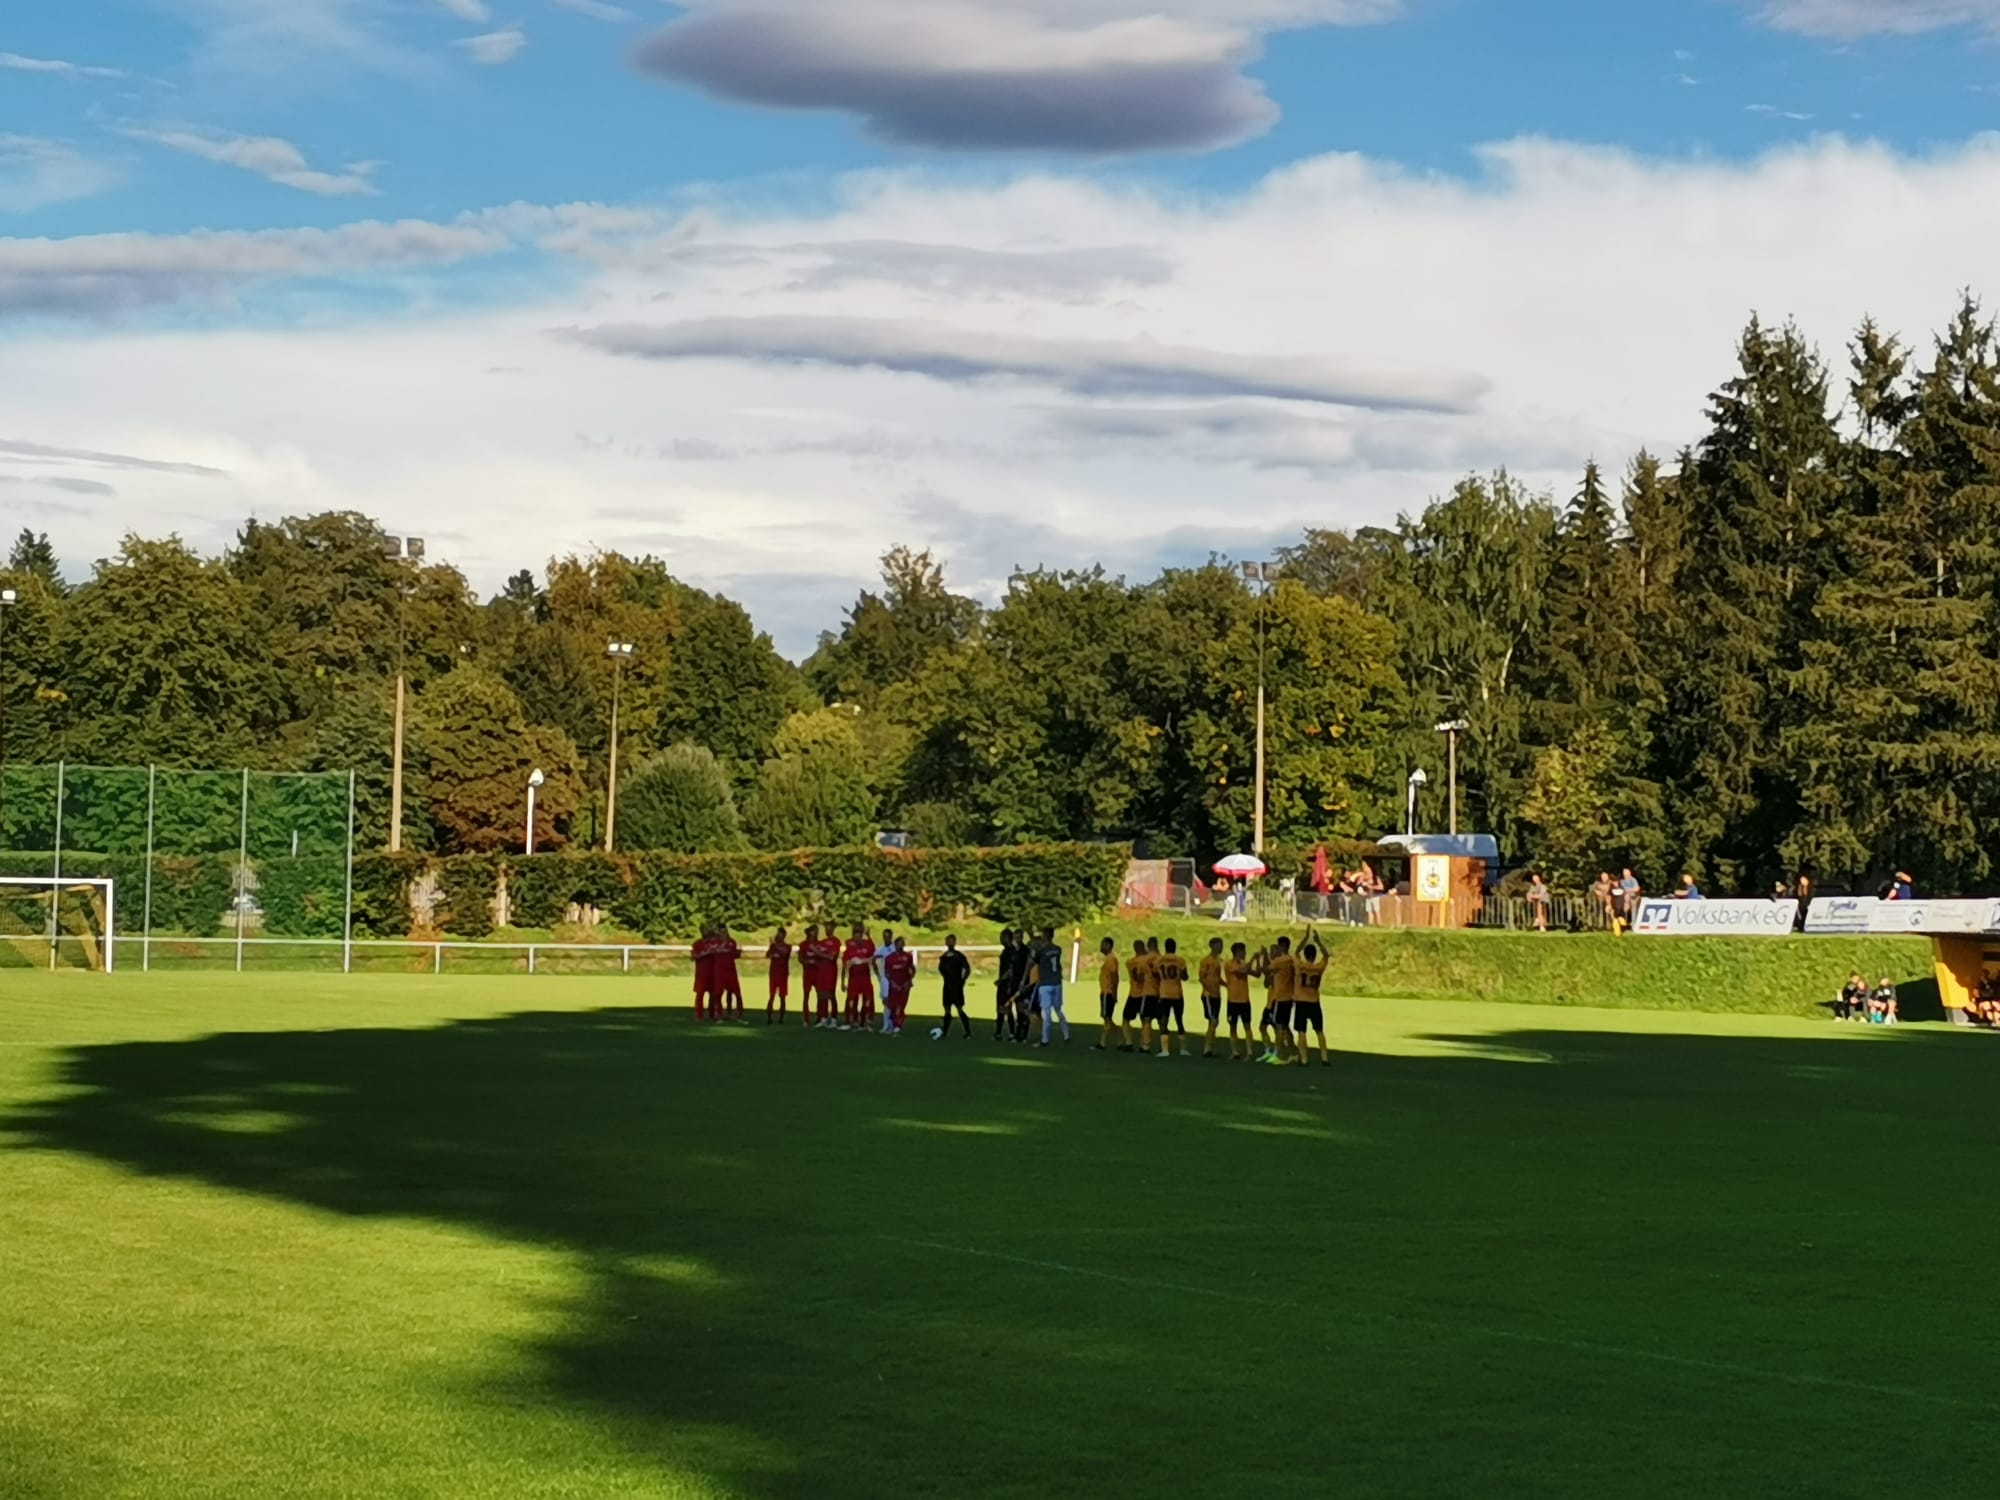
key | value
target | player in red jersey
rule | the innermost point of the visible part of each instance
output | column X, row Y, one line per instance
column 859, row 957
column 779, row 956
column 703, row 953
column 727, row 981
column 901, row 967
column 821, row 957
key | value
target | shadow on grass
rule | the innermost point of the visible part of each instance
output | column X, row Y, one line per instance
column 772, row 1295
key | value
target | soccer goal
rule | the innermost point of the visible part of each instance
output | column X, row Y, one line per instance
column 58, row 922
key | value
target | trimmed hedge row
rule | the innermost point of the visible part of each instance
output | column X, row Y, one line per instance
column 662, row 896
column 191, row 893
column 667, row 896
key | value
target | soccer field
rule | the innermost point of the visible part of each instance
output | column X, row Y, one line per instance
column 504, row 1237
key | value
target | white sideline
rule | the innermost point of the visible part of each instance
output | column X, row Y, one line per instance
column 1439, row 1325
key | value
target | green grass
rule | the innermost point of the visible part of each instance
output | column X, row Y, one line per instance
column 402, row 1236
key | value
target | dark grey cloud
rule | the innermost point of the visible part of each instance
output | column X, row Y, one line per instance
column 20, row 448
column 59, row 482
column 1086, row 367
column 964, row 271
column 960, row 75
column 103, row 275
column 1273, row 437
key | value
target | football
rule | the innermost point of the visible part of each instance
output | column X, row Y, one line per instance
column 937, row 1033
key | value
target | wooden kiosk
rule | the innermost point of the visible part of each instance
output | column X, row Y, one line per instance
column 1447, row 877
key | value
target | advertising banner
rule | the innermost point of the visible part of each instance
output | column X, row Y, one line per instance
column 1716, row 918
column 1847, row 915
column 1940, row 918
column 1433, row 877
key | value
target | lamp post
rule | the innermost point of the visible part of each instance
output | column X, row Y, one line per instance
column 8, row 599
column 1263, row 575
column 1452, row 729
column 620, row 652
column 535, row 780
column 400, row 550
column 1417, row 779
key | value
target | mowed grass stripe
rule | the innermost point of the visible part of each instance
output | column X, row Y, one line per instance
column 527, row 1237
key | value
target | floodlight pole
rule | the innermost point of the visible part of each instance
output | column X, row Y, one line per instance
column 1452, row 729
column 620, row 652
column 1260, row 573
column 535, row 779
column 400, row 550
column 1417, row 779
column 8, row 598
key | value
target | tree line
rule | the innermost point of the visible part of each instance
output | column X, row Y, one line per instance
column 1776, row 651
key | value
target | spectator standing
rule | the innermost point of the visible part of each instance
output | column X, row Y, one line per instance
column 1603, row 899
column 1538, row 901
column 1629, row 894
column 1803, row 893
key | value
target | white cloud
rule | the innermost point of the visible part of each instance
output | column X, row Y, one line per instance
column 468, row 10
column 273, row 159
column 1599, row 293
column 1051, row 75
column 495, row 47
column 36, row 173
column 1845, row 20
column 13, row 62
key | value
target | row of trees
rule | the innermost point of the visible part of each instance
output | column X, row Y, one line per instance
column 1779, row 650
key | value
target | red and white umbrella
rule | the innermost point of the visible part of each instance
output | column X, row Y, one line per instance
column 1245, row 866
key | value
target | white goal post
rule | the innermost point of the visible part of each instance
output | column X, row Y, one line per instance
column 55, row 885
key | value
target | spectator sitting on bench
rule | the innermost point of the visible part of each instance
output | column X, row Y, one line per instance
column 1882, row 1004
column 1852, row 1002
column 1986, row 1004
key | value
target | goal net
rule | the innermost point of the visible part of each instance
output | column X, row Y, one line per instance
column 56, row 922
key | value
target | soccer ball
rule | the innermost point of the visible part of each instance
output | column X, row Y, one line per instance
column 937, row 1033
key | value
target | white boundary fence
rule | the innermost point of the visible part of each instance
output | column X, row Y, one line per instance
column 231, row 953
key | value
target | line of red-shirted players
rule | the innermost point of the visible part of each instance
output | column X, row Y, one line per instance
column 718, row 987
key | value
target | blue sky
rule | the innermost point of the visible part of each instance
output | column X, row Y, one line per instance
column 1002, row 275
column 569, row 118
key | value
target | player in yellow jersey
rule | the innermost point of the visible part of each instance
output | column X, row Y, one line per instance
column 1107, row 993
column 1283, row 969
column 1170, row 1001
column 1307, row 1012
column 1236, row 983
column 1211, row 994
column 1136, row 971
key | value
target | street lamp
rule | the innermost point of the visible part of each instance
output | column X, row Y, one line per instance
column 400, row 549
column 535, row 780
column 620, row 652
column 1417, row 779
column 1453, row 728
column 1263, row 575
column 8, row 599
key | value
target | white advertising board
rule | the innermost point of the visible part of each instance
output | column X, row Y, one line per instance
column 1945, row 918
column 1715, row 918
column 1846, row 915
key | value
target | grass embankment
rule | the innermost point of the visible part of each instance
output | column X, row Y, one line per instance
column 319, row 1237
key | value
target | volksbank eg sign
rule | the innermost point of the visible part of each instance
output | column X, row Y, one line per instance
column 1715, row 918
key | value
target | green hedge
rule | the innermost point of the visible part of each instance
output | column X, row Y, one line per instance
column 467, row 884
column 191, row 893
column 304, row 897
column 667, row 896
